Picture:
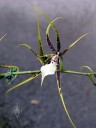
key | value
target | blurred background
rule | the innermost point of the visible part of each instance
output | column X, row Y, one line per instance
column 41, row 107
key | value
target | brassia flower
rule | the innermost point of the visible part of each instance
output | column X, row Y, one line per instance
column 52, row 63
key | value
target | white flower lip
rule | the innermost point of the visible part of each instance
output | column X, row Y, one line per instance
column 48, row 69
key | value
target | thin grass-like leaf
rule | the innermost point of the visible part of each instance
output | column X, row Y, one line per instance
column 23, row 82
column 74, row 43
column 61, row 96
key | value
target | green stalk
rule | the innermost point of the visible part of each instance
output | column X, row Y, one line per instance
column 78, row 73
column 63, row 71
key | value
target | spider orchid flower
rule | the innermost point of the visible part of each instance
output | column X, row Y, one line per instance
column 49, row 69
column 56, row 63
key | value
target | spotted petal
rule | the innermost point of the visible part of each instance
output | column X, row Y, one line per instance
column 48, row 69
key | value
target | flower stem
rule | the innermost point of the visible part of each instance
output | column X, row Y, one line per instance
column 78, row 73
column 63, row 71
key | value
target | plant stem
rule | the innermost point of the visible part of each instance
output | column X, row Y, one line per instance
column 22, row 72
column 63, row 71
column 78, row 73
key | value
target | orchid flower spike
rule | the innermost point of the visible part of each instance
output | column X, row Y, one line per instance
column 49, row 69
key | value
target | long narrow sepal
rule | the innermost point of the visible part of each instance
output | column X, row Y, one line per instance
column 29, row 47
column 50, row 44
column 74, row 43
column 52, row 25
column 41, row 51
column 23, row 82
column 56, row 32
column 65, row 108
column 49, row 21
column 61, row 95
